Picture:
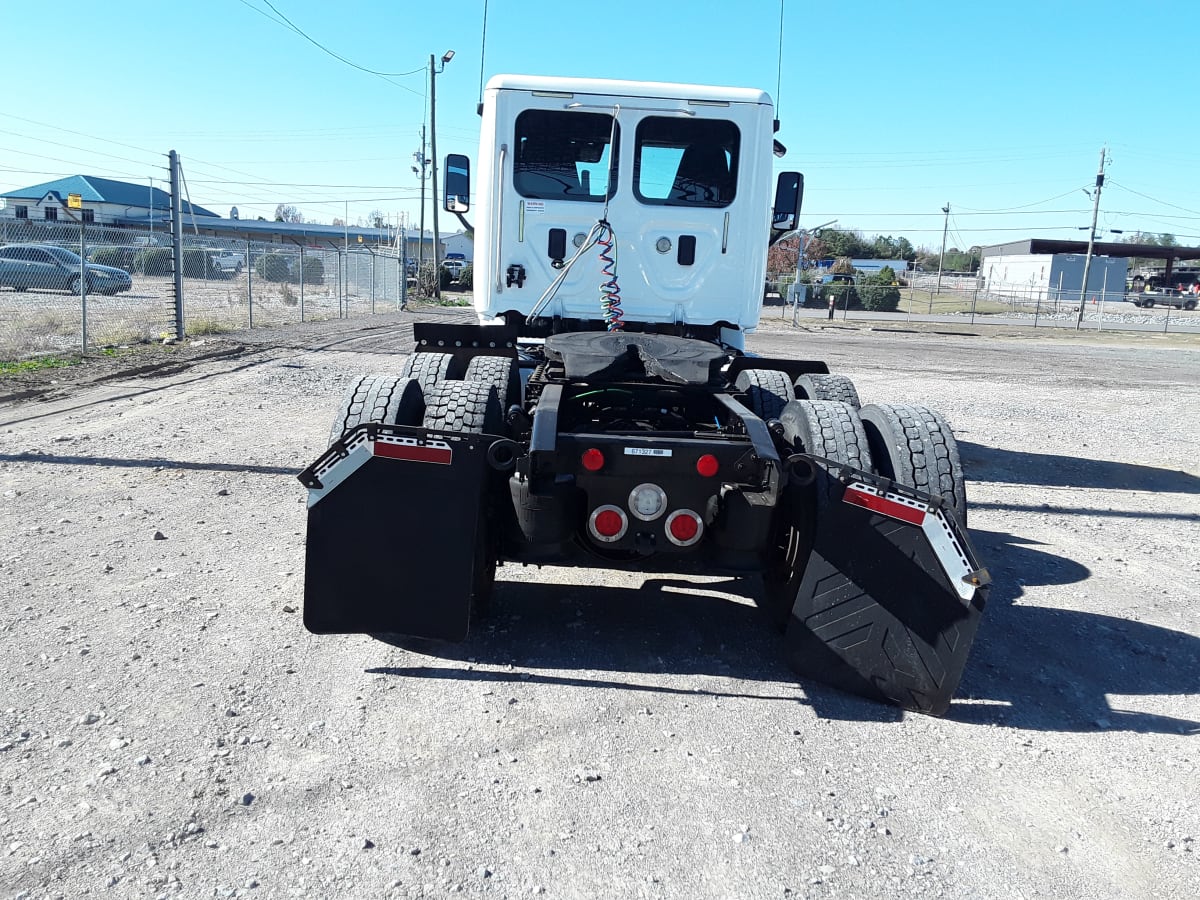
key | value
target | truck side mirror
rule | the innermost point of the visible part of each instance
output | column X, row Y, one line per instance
column 789, row 192
column 457, row 195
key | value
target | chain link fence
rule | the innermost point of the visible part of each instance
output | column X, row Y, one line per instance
column 964, row 298
column 128, row 293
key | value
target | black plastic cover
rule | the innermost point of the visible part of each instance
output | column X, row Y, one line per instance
column 621, row 356
column 686, row 254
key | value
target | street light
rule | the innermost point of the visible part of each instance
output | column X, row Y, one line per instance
column 434, row 71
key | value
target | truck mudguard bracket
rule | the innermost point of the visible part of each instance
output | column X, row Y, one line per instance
column 891, row 596
column 474, row 340
column 375, row 561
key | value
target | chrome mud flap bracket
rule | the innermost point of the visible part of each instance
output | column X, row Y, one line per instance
column 892, row 594
column 394, row 518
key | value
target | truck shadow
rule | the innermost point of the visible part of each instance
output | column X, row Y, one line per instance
column 716, row 641
column 1048, row 669
column 1031, row 667
column 1055, row 470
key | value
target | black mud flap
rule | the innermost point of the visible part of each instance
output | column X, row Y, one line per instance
column 892, row 595
column 395, row 515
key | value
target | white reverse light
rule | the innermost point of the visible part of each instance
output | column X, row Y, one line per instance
column 647, row 502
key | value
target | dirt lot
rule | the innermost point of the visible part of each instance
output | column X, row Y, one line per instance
column 168, row 728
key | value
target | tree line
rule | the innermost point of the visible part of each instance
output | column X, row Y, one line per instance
column 829, row 243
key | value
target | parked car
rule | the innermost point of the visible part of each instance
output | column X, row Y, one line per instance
column 227, row 261
column 44, row 267
column 1165, row 297
column 454, row 267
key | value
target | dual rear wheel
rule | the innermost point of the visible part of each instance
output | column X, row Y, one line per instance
column 434, row 391
column 822, row 415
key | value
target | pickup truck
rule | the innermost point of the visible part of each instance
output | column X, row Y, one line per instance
column 228, row 262
column 1164, row 297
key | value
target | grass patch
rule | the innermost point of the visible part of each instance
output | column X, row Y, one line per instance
column 457, row 301
column 198, row 327
column 35, row 365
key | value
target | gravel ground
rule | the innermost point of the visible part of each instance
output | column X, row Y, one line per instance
column 168, row 728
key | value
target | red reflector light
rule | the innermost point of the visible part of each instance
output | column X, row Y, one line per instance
column 608, row 523
column 707, row 465
column 684, row 527
column 593, row 460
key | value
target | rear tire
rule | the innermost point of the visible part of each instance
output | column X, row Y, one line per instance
column 430, row 368
column 388, row 399
column 827, row 387
column 470, row 407
column 914, row 446
column 499, row 371
column 825, row 428
column 767, row 391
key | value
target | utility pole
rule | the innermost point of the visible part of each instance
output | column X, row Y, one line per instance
column 419, row 170
column 942, row 256
column 1087, row 263
column 433, row 72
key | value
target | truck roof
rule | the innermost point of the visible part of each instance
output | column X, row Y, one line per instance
column 647, row 89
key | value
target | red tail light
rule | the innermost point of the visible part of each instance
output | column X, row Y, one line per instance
column 608, row 523
column 592, row 459
column 707, row 465
column 684, row 527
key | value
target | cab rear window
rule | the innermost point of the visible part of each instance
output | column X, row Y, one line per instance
column 686, row 162
column 562, row 155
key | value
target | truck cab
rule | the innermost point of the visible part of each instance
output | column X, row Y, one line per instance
column 677, row 177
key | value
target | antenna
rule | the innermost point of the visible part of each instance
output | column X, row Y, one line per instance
column 483, row 51
column 779, row 63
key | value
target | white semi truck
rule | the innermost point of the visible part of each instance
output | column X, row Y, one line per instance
column 604, row 412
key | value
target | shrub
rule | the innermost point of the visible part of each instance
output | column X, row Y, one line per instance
column 107, row 256
column 153, row 261
column 879, row 297
column 426, row 280
column 272, row 267
column 198, row 264
column 844, row 295
column 466, row 278
column 287, row 295
column 313, row 270
column 879, row 292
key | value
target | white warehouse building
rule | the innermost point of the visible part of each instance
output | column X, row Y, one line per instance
column 1045, row 271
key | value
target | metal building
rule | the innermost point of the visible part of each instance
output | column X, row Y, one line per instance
column 1039, row 269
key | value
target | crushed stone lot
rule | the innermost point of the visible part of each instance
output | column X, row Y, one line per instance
column 169, row 729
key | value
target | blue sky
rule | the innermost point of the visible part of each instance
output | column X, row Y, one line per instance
column 891, row 111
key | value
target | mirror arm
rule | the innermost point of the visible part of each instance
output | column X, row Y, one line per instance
column 467, row 226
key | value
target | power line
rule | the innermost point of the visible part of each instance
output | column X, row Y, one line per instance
column 1148, row 197
column 288, row 23
column 967, row 209
column 136, row 162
